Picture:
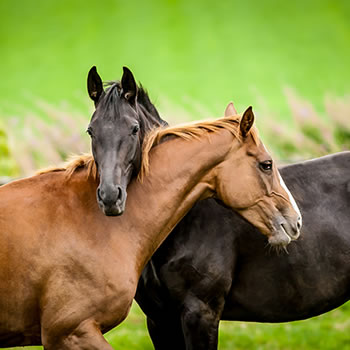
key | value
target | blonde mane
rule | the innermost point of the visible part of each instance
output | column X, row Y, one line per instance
column 75, row 162
column 190, row 131
column 155, row 137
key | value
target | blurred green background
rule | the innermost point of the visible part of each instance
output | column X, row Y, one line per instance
column 289, row 59
column 205, row 51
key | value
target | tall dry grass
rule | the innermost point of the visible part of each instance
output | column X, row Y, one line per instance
column 35, row 141
column 30, row 142
column 310, row 133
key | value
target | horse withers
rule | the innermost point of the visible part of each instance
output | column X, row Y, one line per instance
column 123, row 116
column 69, row 273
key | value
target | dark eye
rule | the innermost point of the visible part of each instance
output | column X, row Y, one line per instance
column 89, row 131
column 266, row 166
column 135, row 129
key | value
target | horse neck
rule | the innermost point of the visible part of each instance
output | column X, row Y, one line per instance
column 181, row 173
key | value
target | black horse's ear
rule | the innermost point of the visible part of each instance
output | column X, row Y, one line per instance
column 129, row 85
column 247, row 121
column 94, row 85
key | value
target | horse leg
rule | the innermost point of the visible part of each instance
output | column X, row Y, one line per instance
column 87, row 336
column 166, row 334
column 200, row 323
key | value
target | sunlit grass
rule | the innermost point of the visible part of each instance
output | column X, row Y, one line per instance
column 330, row 331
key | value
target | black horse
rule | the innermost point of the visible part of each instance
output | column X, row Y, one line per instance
column 215, row 266
column 123, row 116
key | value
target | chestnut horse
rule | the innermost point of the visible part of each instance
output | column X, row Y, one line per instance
column 215, row 266
column 69, row 273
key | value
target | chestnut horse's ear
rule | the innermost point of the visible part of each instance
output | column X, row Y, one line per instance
column 129, row 85
column 94, row 85
column 230, row 110
column 247, row 121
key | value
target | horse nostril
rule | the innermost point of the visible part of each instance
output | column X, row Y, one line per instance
column 120, row 194
column 110, row 196
column 100, row 194
column 299, row 223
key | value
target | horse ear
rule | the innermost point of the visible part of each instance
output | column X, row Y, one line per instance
column 230, row 110
column 94, row 85
column 247, row 121
column 129, row 85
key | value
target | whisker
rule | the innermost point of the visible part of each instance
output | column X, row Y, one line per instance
column 286, row 249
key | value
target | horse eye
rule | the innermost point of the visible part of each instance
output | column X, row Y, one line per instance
column 266, row 166
column 135, row 129
column 89, row 131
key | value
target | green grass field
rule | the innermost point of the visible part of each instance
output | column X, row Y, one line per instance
column 330, row 331
column 326, row 332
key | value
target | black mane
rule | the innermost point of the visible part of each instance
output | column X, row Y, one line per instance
column 149, row 111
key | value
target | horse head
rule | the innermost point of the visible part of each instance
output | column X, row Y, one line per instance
column 256, row 189
column 123, row 115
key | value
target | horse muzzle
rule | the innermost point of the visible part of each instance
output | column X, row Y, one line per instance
column 285, row 231
column 111, row 200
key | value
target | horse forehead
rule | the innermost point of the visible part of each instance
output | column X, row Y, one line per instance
column 114, row 109
column 262, row 149
column 258, row 150
column 114, row 120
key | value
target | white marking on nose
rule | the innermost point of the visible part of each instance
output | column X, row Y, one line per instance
column 291, row 198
